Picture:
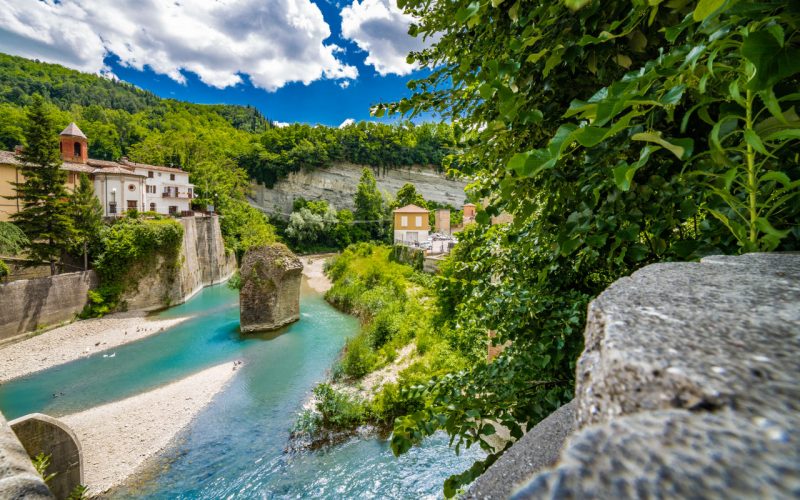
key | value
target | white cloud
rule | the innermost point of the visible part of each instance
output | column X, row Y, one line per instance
column 281, row 124
column 344, row 84
column 347, row 122
column 273, row 42
column 381, row 29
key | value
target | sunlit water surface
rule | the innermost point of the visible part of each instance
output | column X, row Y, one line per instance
column 235, row 448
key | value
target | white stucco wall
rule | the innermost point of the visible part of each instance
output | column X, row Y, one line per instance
column 117, row 188
column 161, row 180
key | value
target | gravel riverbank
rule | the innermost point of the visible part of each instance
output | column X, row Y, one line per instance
column 77, row 340
column 119, row 438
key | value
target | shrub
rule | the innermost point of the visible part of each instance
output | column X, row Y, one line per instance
column 358, row 359
column 337, row 409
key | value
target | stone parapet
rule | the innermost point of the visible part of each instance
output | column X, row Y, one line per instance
column 689, row 385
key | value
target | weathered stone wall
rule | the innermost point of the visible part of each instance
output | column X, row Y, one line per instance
column 41, row 433
column 337, row 184
column 689, row 386
column 202, row 261
column 26, row 305
column 18, row 478
column 270, row 293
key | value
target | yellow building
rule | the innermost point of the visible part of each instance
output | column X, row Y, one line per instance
column 120, row 186
column 411, row 224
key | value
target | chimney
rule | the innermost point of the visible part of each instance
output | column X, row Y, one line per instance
column 18, row 149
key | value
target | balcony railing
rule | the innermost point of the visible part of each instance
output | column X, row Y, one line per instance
column 175, row 194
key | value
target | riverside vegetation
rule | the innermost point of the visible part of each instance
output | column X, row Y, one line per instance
column 618, row 133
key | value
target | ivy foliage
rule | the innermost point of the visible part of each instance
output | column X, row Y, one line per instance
column 618, row 133
column 128, row 248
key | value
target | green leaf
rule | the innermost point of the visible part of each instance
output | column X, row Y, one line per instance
column 773, row 63
column 765, row 227
column 673, row 96
column 681, row 148
column 777, row 177
column 754, row 141
column 465, row 13
column 705, row 8
column 575, row 4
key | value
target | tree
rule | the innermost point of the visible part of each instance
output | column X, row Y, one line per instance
column 12, row 241
column 45, row 216
column 87, row 217
column 407, row 195
column 369, row 206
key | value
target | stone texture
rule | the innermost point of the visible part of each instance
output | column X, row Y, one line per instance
column 539, row 448
column 202, row 261
column 18, row 478
column 337, row 184
column 676, row 454
column 724, row 332
column 30, row 304
column 688, row 385
column 40, row 433
column 270, row 293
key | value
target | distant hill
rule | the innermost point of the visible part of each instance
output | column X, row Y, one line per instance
column 20, row 78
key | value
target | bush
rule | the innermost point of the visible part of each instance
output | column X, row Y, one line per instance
column 126, row 246
column 358, row 359
column 337, row 409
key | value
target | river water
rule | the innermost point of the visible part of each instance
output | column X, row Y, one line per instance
column 235, row 447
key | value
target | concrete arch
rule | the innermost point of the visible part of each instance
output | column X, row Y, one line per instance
column 40, row 433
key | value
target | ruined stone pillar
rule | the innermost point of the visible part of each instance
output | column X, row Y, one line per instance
column 270, row 294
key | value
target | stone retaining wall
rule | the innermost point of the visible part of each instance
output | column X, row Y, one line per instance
column 27, row 305
column 202, row 261
column 689, row 386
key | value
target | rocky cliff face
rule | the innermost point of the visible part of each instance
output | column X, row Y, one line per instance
column 202, row 261
column 337, row 184
column 270, row 294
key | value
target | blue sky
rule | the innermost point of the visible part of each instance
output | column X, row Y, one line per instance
column 312, row 61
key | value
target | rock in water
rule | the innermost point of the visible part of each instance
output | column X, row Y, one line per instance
column 270, row 293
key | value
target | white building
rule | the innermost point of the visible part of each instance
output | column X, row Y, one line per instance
column 125, row 185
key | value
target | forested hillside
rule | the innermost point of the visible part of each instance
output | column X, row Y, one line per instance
column 122, row 120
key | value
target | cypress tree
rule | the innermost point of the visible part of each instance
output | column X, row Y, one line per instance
column 369, row 205
column 45, row 217
column 87, row 217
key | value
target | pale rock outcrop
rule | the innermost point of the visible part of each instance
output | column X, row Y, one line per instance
column 270, row 293
column 338, row 183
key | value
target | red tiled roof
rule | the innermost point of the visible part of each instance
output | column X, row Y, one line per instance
column 73, row 130
column 92, row 166
column 411, row 209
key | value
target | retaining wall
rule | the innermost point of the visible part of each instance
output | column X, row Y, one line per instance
column 26, row 305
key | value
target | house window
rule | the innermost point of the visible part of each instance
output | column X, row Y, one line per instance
column 112, row 207
column 152, row 207
column 131, row 187
column 150, row 174
column 77, row 149
column 419, row 221
column 172, row 177
column 404, row 220
column 151, row 189
column 132, row 205
column 173, row 210
column 190, row 193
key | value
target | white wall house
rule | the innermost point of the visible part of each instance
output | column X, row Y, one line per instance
column 167, row 189
column 119, row 190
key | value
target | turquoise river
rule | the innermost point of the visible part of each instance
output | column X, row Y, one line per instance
column 235, row 448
